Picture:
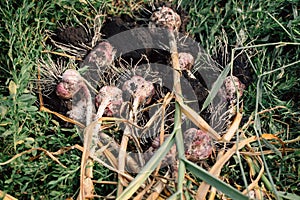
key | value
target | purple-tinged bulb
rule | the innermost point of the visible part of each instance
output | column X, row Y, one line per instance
column 197, row 144
column 171, row 157
column 156, row 143
column 186, row 61
column 233, row 86
column 102, row 54
column 165, row 17
column 69, row 85
column 140, row 89
column 110, row 97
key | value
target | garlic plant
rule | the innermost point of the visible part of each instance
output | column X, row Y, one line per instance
column 224, row 106
column 71, row 84
column 141, row 91
column 97, row 64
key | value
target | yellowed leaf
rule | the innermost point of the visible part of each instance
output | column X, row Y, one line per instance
column 88, row 187
column 5, row 196
column 12, row 87
column 3, row 111
column 233, row 128
column 269, row 136
column 83, row 1
column 199, row 121
column 20, row 142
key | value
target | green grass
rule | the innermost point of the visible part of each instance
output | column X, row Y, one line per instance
column 33, row 175
column 249, row 26
column 263, row 22
column 253, row 23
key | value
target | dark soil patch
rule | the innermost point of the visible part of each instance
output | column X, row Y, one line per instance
column 76, row 36
column 114, row 25
column 117, row 24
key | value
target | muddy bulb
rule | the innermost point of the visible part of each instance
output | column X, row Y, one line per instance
column 156, row 143
column 102, row 54
column 186, row 61
column 171, row 157
column 110, row 98
column 233, row 86
column 165, row 17
column 69, row 85
column 140, row 89
column 197, row 145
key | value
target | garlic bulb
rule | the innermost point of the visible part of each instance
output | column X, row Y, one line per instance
column 165, row 17
column 197, row 144
column 233, row 86
column 69, row 85
column 186, row 61
column 110, row 99
column 101, row 55
column 140, row 89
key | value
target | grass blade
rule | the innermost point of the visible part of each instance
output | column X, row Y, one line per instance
column 287, row 195
column 258, row 131
column 148, row 168
column 217, row 85
column 215, row 182
column 180, row 149
column 156, row 159
column 199, row 121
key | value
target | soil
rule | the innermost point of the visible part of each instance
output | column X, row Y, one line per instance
column 72, row 35
column 116, row 24
column 76, row 36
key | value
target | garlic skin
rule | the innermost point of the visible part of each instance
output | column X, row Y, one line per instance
column 140, row 89
column 69, row 85
column 233, row 86
column 110, row 97
column 186, row 61
column 165, row 17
